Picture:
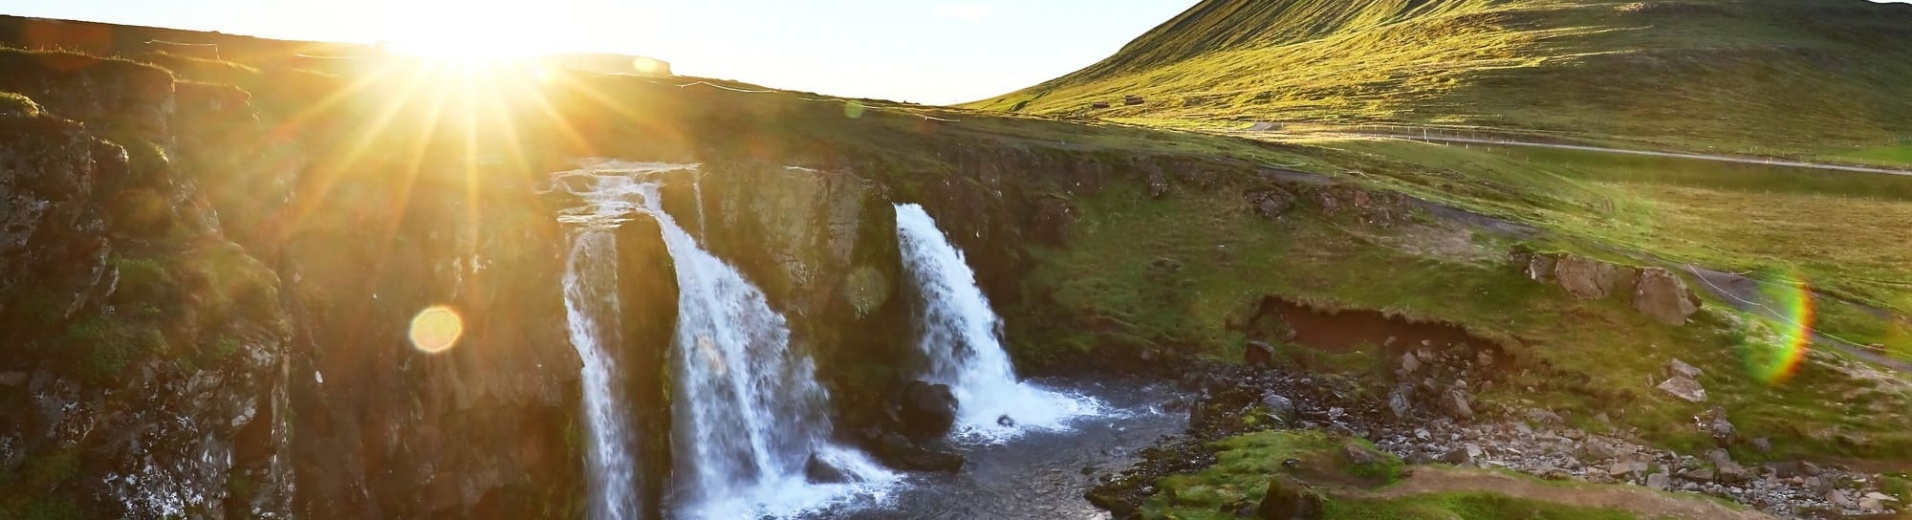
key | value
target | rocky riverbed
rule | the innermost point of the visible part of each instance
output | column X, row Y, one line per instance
column 1436, row 422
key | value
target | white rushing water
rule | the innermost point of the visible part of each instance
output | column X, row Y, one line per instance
column 961, row 335
column 747, row 411
column 592, row 310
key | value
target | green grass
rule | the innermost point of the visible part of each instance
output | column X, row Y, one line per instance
column 16, row 104
column 1481, row 505
column 1899, row 155
column 1108, row 287
column 1245, row 463
column 1732, row 217
column 1716, row 75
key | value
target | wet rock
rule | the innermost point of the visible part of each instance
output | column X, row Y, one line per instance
column 816, row 471
column 929, row 410
column 1258, row 354
column 1684, row 387
column 898, row 452
column 1288, row 499
column 1663, row 296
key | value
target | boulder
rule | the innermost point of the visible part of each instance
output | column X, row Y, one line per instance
column 1587, row 278
column 1714, row 422
column 1627, row 468
column 1544, row 417
column 1840, row 500
column 897, row 451
column 1271, row 204
column 1359, row 455
column 1399, row 404
column 1659, row 482
column 1278, row 406
column 1288, row 499
column 1410, row 363
column 1454, row 401
column 1680, row 367
column 816, row 471
column 1158, row 184
column 929, row 410
column 1663, row 296
column 1258, row 354
column 1684, row 388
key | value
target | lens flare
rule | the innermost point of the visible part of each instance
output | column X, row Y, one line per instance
column 436, row 329
column 1791, row 313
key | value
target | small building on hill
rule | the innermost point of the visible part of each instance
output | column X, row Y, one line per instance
column 607, row 63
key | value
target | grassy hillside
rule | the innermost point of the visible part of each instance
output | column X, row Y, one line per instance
column 1780, row 77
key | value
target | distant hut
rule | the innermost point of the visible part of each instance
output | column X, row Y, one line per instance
column 607, row 63
column 1099, row 105
column 1132, row 100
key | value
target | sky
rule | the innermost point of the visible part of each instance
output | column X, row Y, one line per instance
column 925, row 51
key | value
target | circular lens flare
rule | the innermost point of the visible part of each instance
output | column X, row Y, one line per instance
column 436, row 329
column 1791, row 314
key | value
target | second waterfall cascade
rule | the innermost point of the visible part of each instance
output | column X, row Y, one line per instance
column 961, row 335
column 747, row 412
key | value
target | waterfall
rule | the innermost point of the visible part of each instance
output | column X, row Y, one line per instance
column 590, row 295
column 961, row 336
column 748, row 414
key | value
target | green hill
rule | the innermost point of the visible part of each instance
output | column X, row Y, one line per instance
column 1783, row 77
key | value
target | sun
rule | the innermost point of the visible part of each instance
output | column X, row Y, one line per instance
column 474, row 32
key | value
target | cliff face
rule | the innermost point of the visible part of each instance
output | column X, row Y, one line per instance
column 144, row 353
column 208, row 300
column 177, row 351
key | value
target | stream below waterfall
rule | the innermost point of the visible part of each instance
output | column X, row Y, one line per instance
column 1041, row 474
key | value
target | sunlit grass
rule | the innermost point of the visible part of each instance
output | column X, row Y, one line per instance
column 1710, row 77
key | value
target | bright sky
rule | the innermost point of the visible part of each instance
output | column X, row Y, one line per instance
column 927, row 51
